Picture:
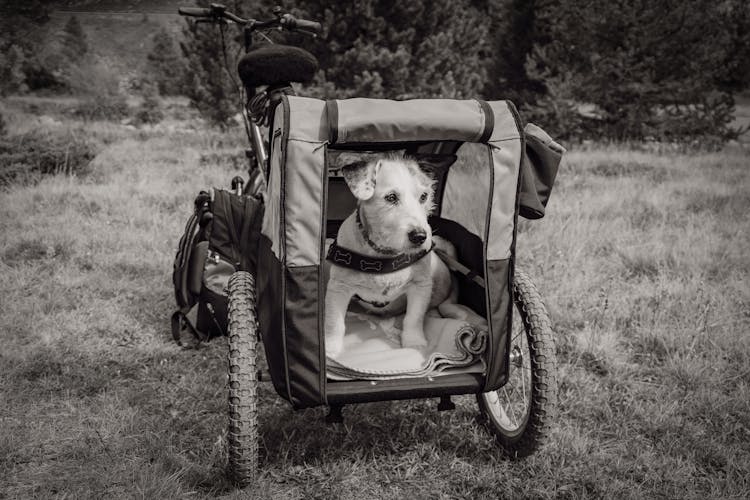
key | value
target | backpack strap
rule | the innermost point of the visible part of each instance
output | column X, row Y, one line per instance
column 455, row 266
column 180, row 271
column 180, row 322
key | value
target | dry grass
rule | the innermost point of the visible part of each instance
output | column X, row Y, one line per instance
column 642, row 259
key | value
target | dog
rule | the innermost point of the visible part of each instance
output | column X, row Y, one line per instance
column 388, row 228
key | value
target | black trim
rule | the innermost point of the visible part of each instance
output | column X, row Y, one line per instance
column 332, row 115
column 270, row 312
column 489, row 121
column 366, row 391
column 495, row 380
column 489, row 353
column 496, row 355
column 512, row 267
column 282, row 236
column 303, row 338
column 290, row 328
column 322, row 285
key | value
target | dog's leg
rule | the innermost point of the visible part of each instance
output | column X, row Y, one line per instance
column 448, row 307
column 417, row 301
column 337, row 302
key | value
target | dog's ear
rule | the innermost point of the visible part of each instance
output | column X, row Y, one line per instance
column 360, row 177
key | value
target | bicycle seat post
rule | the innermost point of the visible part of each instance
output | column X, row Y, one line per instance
column 247, row 32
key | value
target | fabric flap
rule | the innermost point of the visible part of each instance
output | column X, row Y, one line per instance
column 538, row 171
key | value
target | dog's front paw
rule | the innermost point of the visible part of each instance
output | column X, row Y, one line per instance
column 334, row 346
column 334, row 339
column 413, row 338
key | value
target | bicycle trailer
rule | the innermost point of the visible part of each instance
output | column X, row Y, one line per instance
column 488, row 169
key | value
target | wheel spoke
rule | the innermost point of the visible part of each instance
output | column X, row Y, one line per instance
column 520, row 331
column 519, row 408
column 492, row 398
column 510, row 406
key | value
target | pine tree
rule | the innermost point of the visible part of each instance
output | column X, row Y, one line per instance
column 399, row 50
column 646, row 69
column 19, row 22
column 164, row 65
column 212, row 86
column 210, row 81
column 512, row 24
column 735, row 76
column 64, row 57
column 373, row 48
column 12, row 76
column 19, row 66
column 73, row 45
column 206, row 82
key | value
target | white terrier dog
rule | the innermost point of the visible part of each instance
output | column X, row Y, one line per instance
column 382, row 255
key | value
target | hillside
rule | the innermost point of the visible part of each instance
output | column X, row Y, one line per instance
column 133, row 6
column 119, row 33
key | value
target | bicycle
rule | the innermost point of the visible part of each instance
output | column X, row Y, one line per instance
column 516, row 390
column 299, row 66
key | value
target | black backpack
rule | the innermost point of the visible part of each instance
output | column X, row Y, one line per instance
column 221, row 237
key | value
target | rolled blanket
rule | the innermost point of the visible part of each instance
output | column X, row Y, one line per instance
column 471, row 341
column 372, row 346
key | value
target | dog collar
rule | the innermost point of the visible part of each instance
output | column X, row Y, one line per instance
column 374, row 265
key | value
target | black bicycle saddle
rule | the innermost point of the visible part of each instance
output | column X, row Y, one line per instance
column 277, row 64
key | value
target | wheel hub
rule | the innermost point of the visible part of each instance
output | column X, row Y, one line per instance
column 516, row 357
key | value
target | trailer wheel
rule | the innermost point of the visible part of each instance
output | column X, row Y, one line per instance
column 520, row 413
column 242, row 436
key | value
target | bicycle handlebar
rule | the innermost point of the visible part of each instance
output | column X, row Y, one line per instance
column 292, row 23
column 194, row 11
column 217, row 12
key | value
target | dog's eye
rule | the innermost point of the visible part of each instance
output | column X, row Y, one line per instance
column 391, row 198
column 423, row 198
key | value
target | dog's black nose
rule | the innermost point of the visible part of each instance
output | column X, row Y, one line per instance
column 417, row 236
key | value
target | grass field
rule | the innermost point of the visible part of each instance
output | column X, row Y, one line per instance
column 643, row 261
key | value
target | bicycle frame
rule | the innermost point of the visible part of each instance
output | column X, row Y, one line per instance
column 218, row 14
column 256, row 142
column 257, row 170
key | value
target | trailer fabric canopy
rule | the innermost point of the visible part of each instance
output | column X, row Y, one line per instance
column 303, row 127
